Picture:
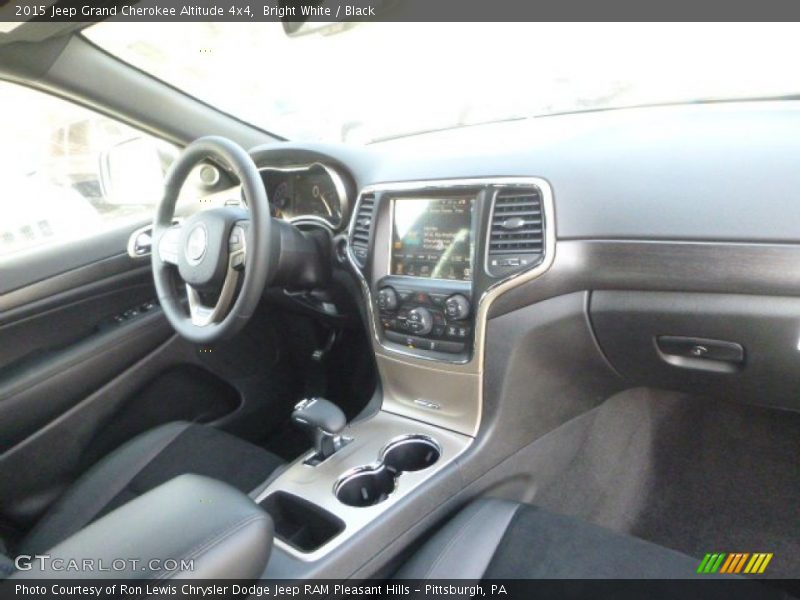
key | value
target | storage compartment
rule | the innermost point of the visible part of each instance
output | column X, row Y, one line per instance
column 728, row 346
column 301, row 524
column 370, row 485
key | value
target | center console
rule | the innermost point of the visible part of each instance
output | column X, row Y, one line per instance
column 431, row 253
column 318, row 508
column 430, row 257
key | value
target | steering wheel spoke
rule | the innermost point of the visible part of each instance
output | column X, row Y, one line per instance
column 169, row 245
column 202, row 315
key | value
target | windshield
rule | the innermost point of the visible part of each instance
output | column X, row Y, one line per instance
column 369, row 81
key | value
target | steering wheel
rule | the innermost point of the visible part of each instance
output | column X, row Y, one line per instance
column 212, row 250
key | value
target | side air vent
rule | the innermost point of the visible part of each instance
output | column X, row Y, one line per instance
column 516, row 237
column 362, row 228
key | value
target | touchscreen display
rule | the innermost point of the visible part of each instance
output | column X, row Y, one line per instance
column 432, row 237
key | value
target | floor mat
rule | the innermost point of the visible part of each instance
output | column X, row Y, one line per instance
column 691, row 474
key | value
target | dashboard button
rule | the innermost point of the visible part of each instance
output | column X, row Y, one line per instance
column 411, row 341
column 421, row 320
column 396, row 337
column 457, row 307
column 449, row 347
column 457, row 331
column 422, row 298
column 408, row 340
column 387, row 299
column 438, row 299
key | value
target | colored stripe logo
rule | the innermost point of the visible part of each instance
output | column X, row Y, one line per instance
column 735, row 562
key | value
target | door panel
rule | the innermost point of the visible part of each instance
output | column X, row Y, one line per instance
column 75, row 383
column 66, row 354
column 45, row 272
column 67, row 318
column 61, row 340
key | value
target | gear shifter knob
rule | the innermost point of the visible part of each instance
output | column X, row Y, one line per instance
column 325, row 420
column 320, row 414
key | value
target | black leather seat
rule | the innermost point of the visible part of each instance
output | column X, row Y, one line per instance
column 499, row 539
column 207, row 528
column 144, row 463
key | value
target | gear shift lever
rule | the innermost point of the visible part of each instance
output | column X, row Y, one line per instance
column 325, row 420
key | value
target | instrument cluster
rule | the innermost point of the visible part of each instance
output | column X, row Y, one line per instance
column 314, row 193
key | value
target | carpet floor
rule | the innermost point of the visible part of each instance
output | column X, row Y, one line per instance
column 691, row 474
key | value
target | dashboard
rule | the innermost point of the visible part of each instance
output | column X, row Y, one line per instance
column 458, row 213
column 689, row 172
column 448, row 234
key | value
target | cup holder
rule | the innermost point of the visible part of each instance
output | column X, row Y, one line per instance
column 365, row 486
column 372, row 484
column 410, row 454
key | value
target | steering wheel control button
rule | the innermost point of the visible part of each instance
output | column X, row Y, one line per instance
column 169, row 244
column 236, row 247
column 457, row 307
column 236, row 240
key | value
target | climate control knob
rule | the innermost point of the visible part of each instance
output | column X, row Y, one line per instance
column 420, row 320
column 387, row 299
column 457, row 307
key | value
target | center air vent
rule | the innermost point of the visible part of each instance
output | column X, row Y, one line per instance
column 362, row 228
column 516, row 237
